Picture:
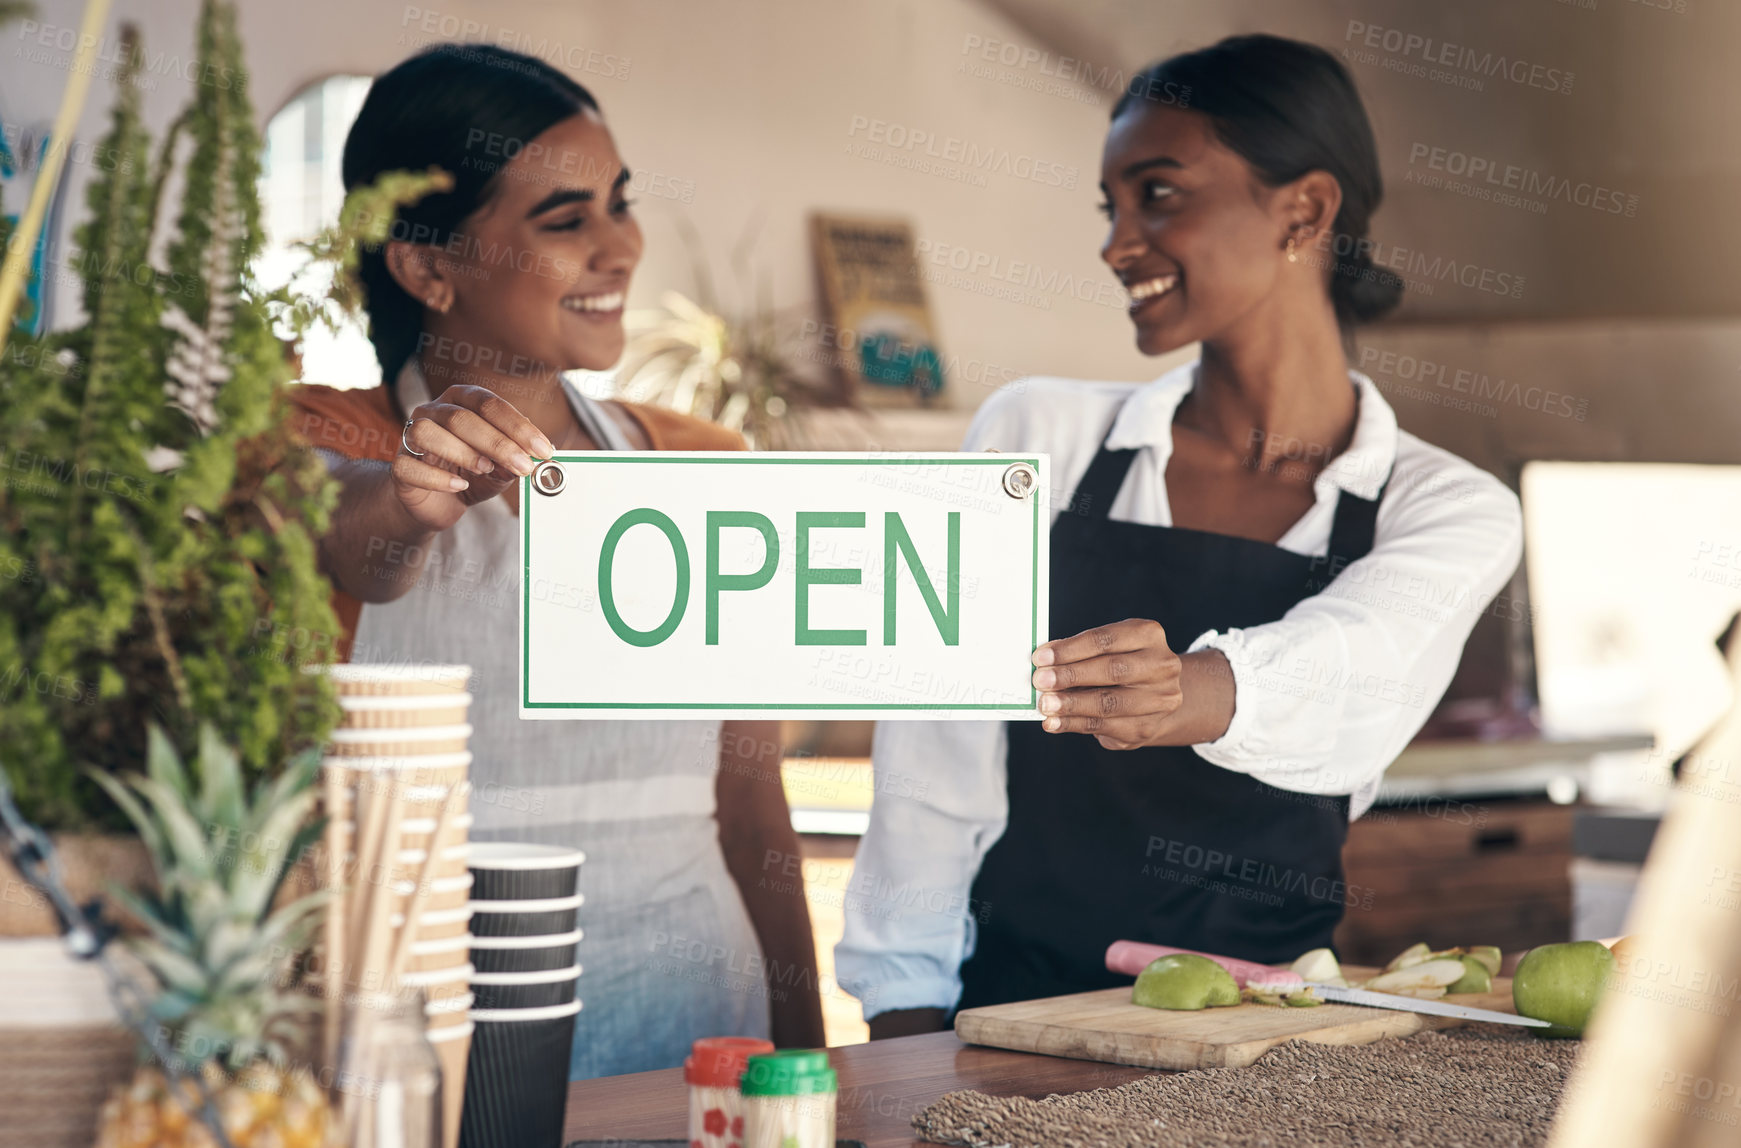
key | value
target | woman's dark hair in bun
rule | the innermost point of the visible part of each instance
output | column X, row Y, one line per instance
column 1288, row 108
column 467, row 109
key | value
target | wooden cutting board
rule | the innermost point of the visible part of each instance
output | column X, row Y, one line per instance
column 1105, row 1026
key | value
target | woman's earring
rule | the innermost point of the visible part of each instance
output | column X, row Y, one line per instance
column 439, row 303
column 1293, row 255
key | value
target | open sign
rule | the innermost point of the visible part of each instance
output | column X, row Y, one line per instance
column 662, row 584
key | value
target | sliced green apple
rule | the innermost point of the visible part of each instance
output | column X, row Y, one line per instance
column 1489, row 956
column 1320, row 966
column 1426, row 975
column 1184, row 981
column 1413, row 955
column 1476, row 977
column 1300, row 996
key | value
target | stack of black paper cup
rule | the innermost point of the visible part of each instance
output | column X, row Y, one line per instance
column 524, row 904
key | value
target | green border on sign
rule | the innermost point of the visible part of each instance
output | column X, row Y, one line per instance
column 528, row 499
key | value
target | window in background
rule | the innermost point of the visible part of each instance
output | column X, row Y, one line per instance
column 1634, row 570
column 301, row 190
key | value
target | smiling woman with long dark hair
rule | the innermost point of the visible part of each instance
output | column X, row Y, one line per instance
column 480, row 300
column 1261, row 584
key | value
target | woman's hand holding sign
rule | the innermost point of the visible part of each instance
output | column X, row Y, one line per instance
column 463, row 448
column 1125, row 686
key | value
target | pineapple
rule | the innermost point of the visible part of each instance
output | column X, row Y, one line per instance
column 220, row 954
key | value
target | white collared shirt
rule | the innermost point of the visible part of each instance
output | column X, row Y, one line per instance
column 1325, row 697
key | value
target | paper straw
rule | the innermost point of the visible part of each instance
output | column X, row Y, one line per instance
column 379, row 843
column 369, row 817
column 425, row 876
column 333, row 982
column 379, row 932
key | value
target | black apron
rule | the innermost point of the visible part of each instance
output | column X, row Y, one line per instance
column 1157, row 844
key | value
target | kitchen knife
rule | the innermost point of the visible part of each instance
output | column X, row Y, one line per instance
column 1412, row 1004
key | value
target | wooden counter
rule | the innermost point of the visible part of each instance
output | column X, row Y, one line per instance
column 882, row 1084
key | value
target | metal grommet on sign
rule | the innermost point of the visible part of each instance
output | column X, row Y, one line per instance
column 1020, row 480
column 548, row 478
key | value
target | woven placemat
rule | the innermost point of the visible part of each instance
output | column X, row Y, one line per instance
column 1453, row 1089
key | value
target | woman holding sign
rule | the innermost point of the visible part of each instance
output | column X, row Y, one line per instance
column 1263, row 586
column 482, row 297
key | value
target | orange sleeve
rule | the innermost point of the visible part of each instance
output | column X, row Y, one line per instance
column 668, row 430
column 360, row 422
column 365, row 423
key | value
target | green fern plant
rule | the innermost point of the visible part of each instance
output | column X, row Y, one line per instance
column 325, row 291
column 158, row 518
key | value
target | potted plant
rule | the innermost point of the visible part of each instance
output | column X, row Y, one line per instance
column 157, row 570
column 733, row 366
column 158, row 520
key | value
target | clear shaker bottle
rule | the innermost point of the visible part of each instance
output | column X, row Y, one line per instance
column 389, row 1081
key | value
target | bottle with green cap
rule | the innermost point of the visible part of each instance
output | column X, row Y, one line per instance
column 788, row 1100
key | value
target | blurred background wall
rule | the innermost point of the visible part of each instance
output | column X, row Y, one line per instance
column 745, row 116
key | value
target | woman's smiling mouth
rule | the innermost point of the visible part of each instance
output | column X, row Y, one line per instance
column 609, row 303
column 1149, row 290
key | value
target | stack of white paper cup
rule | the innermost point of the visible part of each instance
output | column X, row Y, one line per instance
column 397, row 847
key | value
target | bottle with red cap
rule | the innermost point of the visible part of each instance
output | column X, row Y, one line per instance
column 712, row 1070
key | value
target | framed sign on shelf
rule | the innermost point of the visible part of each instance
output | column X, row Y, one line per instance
column 877, row 332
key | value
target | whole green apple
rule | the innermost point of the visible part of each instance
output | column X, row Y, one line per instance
column 1561, row 984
